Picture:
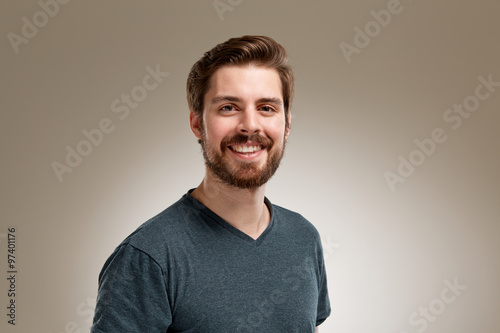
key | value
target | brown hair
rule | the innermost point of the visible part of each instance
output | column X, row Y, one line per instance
column 258, row 50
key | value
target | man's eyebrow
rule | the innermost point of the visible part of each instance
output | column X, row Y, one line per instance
column 218, row 99
column 273, row 100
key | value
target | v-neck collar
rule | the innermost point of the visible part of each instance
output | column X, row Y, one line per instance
column 226, row 225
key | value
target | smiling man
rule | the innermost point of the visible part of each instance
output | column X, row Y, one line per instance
column 223, row 258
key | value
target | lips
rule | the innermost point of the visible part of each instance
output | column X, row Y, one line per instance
column 246, row 148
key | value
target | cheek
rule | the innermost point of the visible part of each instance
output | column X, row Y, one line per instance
column 276, row 130
column 217, row 130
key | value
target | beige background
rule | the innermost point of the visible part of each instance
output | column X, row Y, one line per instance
column 388, row 253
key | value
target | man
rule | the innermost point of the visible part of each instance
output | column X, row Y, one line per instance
column 223, row 258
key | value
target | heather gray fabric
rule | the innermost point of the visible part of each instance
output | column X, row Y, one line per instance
column 187, row 270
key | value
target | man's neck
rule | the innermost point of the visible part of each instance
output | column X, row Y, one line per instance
column 244, row 209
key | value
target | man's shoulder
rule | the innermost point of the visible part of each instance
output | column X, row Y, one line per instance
column 295, row 221
column 154, row 234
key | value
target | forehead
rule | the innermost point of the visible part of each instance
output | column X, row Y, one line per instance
column 246, row 82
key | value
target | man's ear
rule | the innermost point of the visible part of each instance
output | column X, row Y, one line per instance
column 194, row 122
column 287, row 129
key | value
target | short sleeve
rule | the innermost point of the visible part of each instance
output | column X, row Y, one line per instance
column 132, row 296
column 324, row 309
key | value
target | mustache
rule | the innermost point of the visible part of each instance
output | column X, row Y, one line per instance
column 242, row 139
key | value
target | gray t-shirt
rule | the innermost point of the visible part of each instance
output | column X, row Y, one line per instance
column 188, row 270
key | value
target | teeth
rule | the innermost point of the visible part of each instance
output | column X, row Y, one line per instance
column 246, row 149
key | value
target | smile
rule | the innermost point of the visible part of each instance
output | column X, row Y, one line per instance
column 246, row 148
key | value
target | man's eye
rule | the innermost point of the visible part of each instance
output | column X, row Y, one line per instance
column 227, row 108
column 267, row 108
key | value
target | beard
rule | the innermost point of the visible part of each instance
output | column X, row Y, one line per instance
column 243, row 175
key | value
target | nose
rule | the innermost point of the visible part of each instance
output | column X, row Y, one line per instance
column 249, row 122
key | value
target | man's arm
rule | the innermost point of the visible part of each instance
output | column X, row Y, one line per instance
column 132, row 296
column 316, row 330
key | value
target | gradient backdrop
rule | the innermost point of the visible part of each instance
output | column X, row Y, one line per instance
column 393, row 154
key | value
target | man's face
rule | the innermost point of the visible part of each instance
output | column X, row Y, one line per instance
column 243, row 132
